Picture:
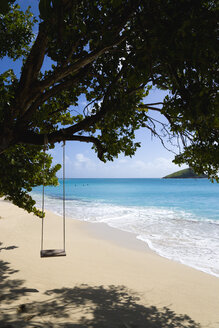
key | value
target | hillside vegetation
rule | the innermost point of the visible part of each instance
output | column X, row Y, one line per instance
column 185, row 174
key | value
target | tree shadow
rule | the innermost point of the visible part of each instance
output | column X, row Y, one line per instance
column 98, row 307
column 8, row 287
column 11, row 289
column 7, row 248
column 81, row 306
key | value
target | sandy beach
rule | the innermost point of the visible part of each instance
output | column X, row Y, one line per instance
column 108, row 279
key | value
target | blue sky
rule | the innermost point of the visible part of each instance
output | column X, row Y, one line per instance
column 152, row 160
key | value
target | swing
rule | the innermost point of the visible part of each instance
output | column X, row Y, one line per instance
column 53, row 252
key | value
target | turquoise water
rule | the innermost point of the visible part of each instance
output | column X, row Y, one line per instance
column 179, row 219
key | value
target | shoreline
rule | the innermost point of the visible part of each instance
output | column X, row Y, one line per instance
column 103, row 265
column 129, row 240
column 104, row 231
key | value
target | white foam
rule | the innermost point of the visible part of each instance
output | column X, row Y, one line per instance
column 172, row 233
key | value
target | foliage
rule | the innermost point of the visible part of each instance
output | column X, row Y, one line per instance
column 112, row 53
column 15, row 31
column 21, row 170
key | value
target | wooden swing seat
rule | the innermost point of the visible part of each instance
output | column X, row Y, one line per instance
column 52, row 252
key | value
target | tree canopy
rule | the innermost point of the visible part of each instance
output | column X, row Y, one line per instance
column 111, row 52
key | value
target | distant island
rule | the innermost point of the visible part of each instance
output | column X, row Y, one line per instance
column 185, row 174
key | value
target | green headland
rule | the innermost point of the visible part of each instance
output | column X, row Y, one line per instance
column 185, row 174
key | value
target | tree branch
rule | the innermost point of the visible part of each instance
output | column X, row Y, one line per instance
column 145, row 106
column 152, row 104
column 62, row 72
column 31, row 68
column 42, row 98
column 100, row 149
column 155, row 133
column 33, row 138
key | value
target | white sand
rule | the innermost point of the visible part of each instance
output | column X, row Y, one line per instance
column 108, row 279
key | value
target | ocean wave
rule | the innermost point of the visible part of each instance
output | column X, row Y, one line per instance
column 172, row 233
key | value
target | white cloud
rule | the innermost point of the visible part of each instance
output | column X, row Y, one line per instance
column 81, row 158
column 83, row 162
column 122, row 161
column 84, row 165
column 158, row 167
column 138, row 165
column 68, row 160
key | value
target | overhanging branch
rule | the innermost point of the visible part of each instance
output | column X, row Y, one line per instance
column 32, row 138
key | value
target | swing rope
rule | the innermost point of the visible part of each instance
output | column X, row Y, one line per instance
column 63, row 197
column 43, row 192
column 49, row 253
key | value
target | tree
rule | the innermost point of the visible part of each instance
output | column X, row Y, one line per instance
column 112, row 52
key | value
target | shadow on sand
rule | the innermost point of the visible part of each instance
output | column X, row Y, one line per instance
column 7, row 248
column 82, row 306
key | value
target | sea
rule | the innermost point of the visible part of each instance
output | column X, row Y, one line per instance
column 176, row 218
